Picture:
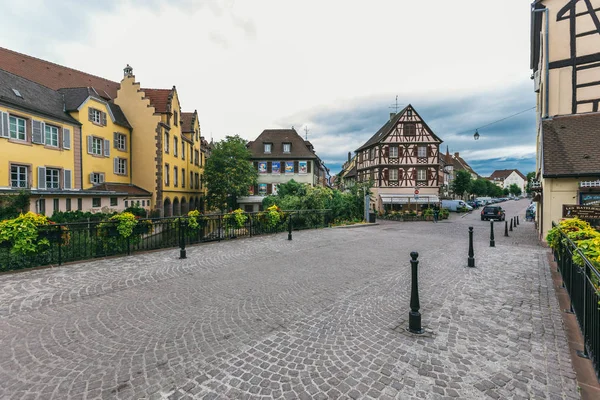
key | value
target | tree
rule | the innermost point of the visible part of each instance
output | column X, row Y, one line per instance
column 479, row 187
column 505, row 192
column 530, row 177
column 229, row 171
column 462, row 183
column 515, row 190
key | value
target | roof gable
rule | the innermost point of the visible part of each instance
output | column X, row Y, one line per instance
column 277, row 137
column 188, row 120
column 74, row 98
column 160, row 99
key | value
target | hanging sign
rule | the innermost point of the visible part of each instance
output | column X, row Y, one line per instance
column 581, row 212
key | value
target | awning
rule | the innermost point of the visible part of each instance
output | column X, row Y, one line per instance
column 409, row 198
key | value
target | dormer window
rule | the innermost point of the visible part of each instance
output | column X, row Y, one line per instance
column 287, row 147
column 17, row 93
column 268, row 148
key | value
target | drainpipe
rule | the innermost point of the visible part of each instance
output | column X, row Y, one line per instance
column 547, row 54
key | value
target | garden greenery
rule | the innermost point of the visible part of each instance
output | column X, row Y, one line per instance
column 22, row 234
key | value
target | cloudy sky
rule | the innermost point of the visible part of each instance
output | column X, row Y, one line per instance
column 333, row 66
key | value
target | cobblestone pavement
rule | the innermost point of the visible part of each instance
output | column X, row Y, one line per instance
column 322, row 316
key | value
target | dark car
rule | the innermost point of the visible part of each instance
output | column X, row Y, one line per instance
column 492, row 212
column 474, row 204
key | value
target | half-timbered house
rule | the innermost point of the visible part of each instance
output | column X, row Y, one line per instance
column 402, row 162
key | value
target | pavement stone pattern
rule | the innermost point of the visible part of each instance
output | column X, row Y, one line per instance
column 320, row 317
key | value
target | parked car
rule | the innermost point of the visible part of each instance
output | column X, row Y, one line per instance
column 492, row 212
column 456, row 205
column 475, row 204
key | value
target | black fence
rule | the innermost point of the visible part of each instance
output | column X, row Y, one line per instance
column 88, row 240
column 582, row 283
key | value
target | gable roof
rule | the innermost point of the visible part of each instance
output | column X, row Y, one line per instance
column 459, row 163
column 571, row 146
column 505, row 173
column 160, row 99
column 277, row 137
column 391, row 124
column 34, row 97
column 187, row 121
column 52, row 75
column 74, row 97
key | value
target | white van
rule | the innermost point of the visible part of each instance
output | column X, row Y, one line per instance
column 455, row 205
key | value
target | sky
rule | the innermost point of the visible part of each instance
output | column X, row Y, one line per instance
column 330, row 66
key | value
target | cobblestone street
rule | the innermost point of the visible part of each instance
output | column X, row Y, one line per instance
column 322, row 316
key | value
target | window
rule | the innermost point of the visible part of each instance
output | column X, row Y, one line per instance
column 166, row 172
column 191, row 180
column 166, row 140
column 18, row 176
column 267, row 147
column 175, row 118
column 175, row 176
column 80, row 204
column 68, row 204
column 182, row 150
column 372, row 153
column 422, row 151
column 97, row 178
column 121, row 166
column 97, row 146
column 120, row 141
column 393, row 151
column 96, row 202
column 16, row 128
column 56, row 205
column 126, row 204
column 175, row 146
column 114, row 201
column 52, row 181
column 51, row 138
column 393, row 174
column 421, row 174
column 287, row 147
column 197, row 158
column 182, row 177
column 40, row 206
column 410, row 130
column 409, row 113
column 95, row 116
column 197, row 180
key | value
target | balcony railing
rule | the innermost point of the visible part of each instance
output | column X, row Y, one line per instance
column 590, row 184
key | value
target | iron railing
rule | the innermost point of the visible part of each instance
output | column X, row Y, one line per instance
column 581, row 282
column 78, row 241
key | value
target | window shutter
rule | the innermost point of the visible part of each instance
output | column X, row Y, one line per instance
column 386, row 152
column 106, row 148
column 104, row 118
column 269, row 188
column 116, row 140
column 66, row 138
column 386, row 174
column 428, row 174
column 36, row 131
column 67, row 180
column 295, row 167
column 41, row 178
column 115, row 165
column 308, row 166
column 90, row 141
column 92, row 177
column 428, row 151
column 269, row 167
column 4, row 132
column 102, row 177
column 415, row 150
column 90, row 114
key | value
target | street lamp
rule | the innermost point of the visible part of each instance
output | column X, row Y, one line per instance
column 476, row 135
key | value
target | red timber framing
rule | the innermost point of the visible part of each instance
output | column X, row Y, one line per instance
column 403, row 153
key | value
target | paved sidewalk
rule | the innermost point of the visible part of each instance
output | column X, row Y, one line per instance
column 321, row 316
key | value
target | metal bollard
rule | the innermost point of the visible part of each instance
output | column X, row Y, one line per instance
column 511, row 221
column 505, row 228
column 182, row 251
column 518, row 220
column 290, row 227
column 471, row 259
column 414, row 316
column 492, row 241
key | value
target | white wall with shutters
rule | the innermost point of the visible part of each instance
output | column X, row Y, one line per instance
column 4, row 131
column 68, row 179
column 41, row 176
column 66, row 138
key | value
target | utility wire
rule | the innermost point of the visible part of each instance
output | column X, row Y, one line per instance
column 500, row 120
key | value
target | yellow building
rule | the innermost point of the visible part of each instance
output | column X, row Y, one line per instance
column 161, row 152
column 565, row 56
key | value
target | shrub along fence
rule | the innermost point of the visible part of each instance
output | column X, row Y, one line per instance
column 125, row 234
column 576, row 249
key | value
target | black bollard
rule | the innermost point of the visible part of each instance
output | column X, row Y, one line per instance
column 471, row 259
column 182, row 251
column 511, row 220
column 518, row 220
column 290, row 227
column 505, row 228
column 492, row 241
column 414, row 317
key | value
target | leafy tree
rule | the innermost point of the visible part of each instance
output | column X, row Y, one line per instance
column 515, row 190
column 229, row 172
column 530, row 177
column 462, row 183
column 479, row 187
column 14, row 204
column 505, row 192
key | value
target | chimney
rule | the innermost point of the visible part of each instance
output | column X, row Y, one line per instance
column 349, row 157
column 127, row 71
column 392, row 115
column 456, row 155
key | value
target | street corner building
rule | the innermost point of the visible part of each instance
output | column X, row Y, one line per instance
column 402, row 160
column 565, row 61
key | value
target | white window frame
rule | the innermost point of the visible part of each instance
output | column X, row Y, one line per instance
column 14, row 122
column 175, row 176
column 166, row 140
column 421, row 151
column 287, row 147
column 167, row 177
column 96, row 116
column 97, row 144
column 421, row 174
column 121, row 166
column 121, row 142
column 97, row 178
column 175, row 146
column 52, row 178
column 51, row 136
column 268, row 147
column 20, row 169
column 393, row 151
column 393, row 174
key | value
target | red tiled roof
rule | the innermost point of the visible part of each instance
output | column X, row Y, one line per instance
column 504, row 173
column 159, row 98
column 52, row 75
column 131, row 190
column 187, row 122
